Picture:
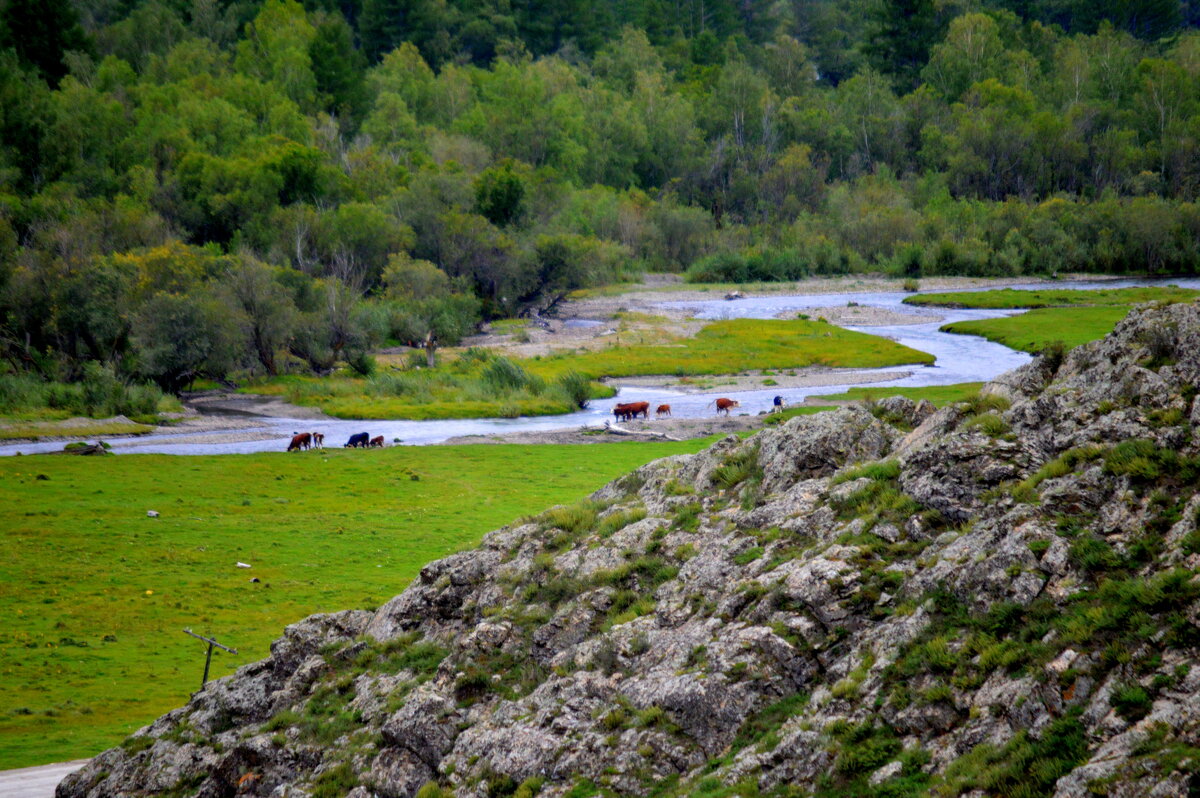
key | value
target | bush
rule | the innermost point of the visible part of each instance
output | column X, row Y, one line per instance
column 1131, row 702
column 577, row 387
column 505, row 376
column 99, row 394
column 361, row 364
column 989, row 424
column 737, row 468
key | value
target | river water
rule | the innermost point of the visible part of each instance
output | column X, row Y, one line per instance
column 959, row 358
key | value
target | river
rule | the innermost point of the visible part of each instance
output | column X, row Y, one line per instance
column 959, row 358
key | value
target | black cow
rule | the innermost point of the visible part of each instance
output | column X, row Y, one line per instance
column 357, row 441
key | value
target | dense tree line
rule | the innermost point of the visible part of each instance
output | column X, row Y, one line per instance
column 208, row 187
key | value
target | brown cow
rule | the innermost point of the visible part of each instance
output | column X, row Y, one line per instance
column 318, row 440
column 300, row 441
column 663, row 410
column 725, row 405
column 631, row 410
column 377, row 441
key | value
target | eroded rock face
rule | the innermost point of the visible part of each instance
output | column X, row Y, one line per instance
column 997, row 597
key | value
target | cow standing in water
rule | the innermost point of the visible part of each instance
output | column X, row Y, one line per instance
column 663, row 411
column 377, row 441
column 725, row 405
column 300, row 440
column 631, row 410
column 778, row 405
column 318, row 440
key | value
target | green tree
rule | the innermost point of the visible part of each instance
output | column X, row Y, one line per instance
column 41, row 32
column 901, row 33
column 500, row 194
column 339, row 70
column 179, row 337
column 265, row 313
column 278, row 48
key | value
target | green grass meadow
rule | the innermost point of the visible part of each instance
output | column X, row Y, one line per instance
column 1035, row 330
column 736, row 346
column 938, row 394
column 33, row 430
column 1068, row 316
column 96, row 594
column 1015, row 298
column 472, row 386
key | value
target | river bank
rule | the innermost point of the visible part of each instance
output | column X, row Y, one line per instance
column 219, row 422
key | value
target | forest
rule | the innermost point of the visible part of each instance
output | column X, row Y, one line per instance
column 218, row 188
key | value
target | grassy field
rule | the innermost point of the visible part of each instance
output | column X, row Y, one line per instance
column 95, row 593
column 736, row 346
column 47, row 429
column 477, row 384
column 1037, row 329
column 938, row 394
column 1050, row 298
column 1070, row 317
column 472, row 383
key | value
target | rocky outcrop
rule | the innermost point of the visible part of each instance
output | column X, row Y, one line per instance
column 997, row 597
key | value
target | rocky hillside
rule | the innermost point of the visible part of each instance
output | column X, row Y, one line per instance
column 994, row 598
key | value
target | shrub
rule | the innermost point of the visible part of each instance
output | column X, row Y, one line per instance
column 748, row 556
column 1093, row 555
column 505, row 376
column 687, row 517
column 879, row 471
column 361, row 363
column 1130, row 701
column 335, row 782
column 987, row 402
column 574, row 519
column 989, row 424
column 737, row 468
column 619, row 520
column 1024, row 766
column 577, row 388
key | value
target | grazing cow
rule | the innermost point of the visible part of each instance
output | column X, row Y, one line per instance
column 376, row 441
column 318, row 440
column 626, row 411
column 300, row 441
column 663, row 410
column 778, row 405
column 357, row 441
column 631, row 410
column 725, row 405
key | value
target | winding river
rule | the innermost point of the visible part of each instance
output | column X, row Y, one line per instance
column 959, row 358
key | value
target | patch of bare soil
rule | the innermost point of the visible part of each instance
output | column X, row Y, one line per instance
column 220, row 410
column 678, row 428
column 864, row 316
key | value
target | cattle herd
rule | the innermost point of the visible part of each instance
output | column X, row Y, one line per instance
column 628, row 411
column 316, row 440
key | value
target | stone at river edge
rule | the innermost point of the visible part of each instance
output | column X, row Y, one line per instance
column 996, row 598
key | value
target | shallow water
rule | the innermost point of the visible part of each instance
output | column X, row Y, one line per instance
column 960, row 358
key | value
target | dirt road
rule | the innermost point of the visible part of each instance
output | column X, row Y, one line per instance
column 37, row 782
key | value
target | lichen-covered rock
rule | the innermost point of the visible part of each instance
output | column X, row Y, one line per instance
column 996, row 597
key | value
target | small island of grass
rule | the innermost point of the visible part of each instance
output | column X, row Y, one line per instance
column 1068, row 316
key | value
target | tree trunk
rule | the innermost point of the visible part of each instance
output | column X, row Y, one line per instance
column 430, row 348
